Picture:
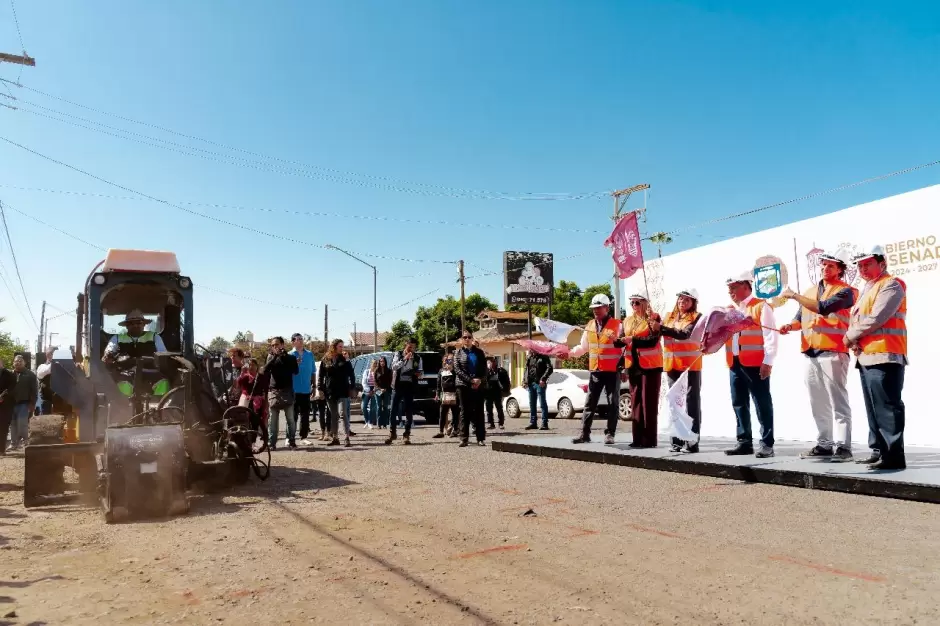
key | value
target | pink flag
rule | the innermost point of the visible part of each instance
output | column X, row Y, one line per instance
column 627, row 251
column 721, row 325
column 547, row 348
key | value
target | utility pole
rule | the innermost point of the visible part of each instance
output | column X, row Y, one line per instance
column 463, row 313
column 326, row 323
column 354, row 337
column 620, row 201
column 18, row 59
column 375, row 294
column 42, row 329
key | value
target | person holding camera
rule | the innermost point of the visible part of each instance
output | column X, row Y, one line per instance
column 407, row 370
column 281, row 367
column 336, row 381
column 470, row 367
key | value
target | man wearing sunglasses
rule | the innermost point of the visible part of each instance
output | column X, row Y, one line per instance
column 470, row 367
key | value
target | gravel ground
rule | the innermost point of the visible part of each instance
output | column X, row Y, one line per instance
column 433, row 533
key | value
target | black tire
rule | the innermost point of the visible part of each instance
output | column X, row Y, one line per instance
column 624, row 408
column 513, row 410
column 565, row 409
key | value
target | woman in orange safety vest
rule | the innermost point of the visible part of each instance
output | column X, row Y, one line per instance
column 644, row 364
column 681, row 354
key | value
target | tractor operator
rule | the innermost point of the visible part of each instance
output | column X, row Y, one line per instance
column 136, row 342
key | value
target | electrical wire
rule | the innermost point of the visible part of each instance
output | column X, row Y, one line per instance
column 369, row 218
column 16, row 265
column 206, row 216
column 16, row 21
column 381, row 182
column 404, row 304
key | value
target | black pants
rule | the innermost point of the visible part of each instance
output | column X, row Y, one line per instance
column 746, row 384
column 403, row 398
column 6, row 416
column 881, row 386
column 454, row 412
column 693, row 400
column 471, row 410
column 606, row 385
column 644, row 400
column 302, row 413
column 495, row 398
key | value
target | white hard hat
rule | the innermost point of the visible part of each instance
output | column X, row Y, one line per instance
column 873, row 251
column 689, row 293
column 743, row 277
column 599, row 300
column 839, row 256
column 640, row 295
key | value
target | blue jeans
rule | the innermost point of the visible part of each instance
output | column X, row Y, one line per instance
column 881, row 386
column 274, row 424
column 537, row 391
column 402, row 404
column 19, row 425
column 370, row 409
column 382, row 408
column 746, row 383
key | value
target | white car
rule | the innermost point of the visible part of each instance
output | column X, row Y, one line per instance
column 565, row 394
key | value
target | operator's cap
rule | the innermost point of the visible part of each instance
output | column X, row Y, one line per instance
column 136, row 315
column 689, row 293
column 872, row 252
column 600, row 300
column 840, row 256
column 743, row 277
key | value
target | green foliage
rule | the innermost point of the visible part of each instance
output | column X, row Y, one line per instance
column 430, row 322
column 219, row 344
column 8, row 347
column 398, row 335
column 579, row 363
column 240, row 337
column 570, row 304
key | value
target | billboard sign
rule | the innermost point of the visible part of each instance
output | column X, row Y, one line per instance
column 528, row 277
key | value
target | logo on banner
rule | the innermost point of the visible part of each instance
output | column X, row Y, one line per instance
column 770, row 277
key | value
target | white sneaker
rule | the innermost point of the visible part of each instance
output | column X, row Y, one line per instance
column 305, row 442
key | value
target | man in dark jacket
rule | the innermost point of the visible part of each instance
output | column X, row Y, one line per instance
column 280, row 367
column 25, row 393
column 497, row 388
column 7, row 384
column 470, row 367
column 538, row 368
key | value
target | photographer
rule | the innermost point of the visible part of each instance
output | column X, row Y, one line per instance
column 281, row 367
column 407, row 369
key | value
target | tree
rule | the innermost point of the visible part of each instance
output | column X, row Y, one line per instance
column 431, row 322
column 240, row 337
column 8, row 347
column 219, row 344
column 660, row 239
column 398, row 335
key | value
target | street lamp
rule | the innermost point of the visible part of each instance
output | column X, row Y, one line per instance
column 375, row 298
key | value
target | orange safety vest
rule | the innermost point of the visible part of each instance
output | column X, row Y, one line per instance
column 825, row 332
column 750, row 340
column 680, row 356
column 602, row 355
column 650, row 358
column 892, row 337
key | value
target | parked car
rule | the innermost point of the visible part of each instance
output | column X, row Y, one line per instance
column 424, row 403
column 566, row 394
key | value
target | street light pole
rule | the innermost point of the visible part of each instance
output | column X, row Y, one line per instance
column 375, row 295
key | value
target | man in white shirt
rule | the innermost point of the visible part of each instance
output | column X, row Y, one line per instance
column 750, row 356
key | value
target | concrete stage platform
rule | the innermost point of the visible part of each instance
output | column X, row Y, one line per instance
column 920, row 481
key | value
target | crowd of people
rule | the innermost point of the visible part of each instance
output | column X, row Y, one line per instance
column 834, row 319
column 290, row 384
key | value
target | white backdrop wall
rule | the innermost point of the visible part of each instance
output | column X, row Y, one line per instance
column 908, row 225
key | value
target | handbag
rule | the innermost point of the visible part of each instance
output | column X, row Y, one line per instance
column 280, row 398
column 449, row 398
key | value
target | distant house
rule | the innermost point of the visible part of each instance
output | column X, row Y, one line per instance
column 362, row 343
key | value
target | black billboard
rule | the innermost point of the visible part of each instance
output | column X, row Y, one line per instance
column 528, row 277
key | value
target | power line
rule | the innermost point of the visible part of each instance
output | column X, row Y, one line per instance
column 205, row 216
column 10, row 291
column 16, row 21
column 381, row 182
column 369, row 218
column 16, row 265
column 413, row 300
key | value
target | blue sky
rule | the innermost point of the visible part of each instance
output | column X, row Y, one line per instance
column 720, row 106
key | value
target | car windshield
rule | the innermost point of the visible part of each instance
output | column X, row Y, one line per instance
column 582, row 374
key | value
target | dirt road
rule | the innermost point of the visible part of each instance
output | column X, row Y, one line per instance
column 433, row 533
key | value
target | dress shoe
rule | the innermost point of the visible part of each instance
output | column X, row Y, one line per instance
column 881, row 464
column 741, row 449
